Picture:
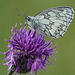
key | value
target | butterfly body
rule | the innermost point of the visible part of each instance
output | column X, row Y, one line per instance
column 51, row 22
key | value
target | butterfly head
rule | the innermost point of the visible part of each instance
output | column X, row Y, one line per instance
column 30, row 21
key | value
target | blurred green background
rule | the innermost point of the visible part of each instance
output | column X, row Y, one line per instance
column 65, row 58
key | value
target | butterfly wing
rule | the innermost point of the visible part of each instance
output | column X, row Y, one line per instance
column 54, row 22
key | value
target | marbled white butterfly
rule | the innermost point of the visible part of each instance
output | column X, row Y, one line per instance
column 51, row 22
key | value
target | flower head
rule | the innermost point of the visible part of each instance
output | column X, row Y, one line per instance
column 27, row 52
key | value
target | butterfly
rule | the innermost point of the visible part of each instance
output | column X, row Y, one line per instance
column 52, row 22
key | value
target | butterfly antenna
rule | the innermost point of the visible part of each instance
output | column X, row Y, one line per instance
column 20, row 11
column 20, row 15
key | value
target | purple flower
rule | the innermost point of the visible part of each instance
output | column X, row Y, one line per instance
column 27, row 52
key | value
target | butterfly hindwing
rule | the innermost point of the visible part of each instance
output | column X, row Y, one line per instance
column 54, row 22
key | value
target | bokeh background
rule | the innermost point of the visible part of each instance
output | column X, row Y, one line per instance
column 65, row 58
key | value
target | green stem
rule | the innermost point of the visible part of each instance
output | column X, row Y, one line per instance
column 10, row 72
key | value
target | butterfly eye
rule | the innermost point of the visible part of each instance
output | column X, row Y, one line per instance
column 28, row 19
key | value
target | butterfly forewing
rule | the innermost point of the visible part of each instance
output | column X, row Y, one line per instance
column 54, row 22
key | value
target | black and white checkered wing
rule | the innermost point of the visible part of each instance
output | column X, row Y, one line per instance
column 54, row 22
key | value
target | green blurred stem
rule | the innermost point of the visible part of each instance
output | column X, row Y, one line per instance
column 10, row 72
